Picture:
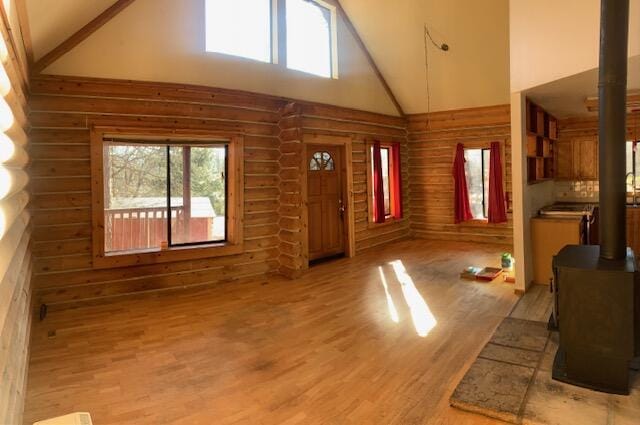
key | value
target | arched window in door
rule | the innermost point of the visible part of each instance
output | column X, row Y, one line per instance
column 321, row 161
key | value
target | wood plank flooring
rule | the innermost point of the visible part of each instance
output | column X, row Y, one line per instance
column 536, row 304
column 333, row 347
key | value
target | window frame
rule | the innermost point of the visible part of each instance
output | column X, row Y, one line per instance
column 278, row 22
column 226, row 187
column 486, row 144
column 485, row 189
column 273, row 34
column 333, row 35
column 234, row 197
column 390, row 218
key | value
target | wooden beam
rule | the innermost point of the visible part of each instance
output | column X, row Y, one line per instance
column 9, row 36
column 25, row 29
column 81, row 35
column 355, row 34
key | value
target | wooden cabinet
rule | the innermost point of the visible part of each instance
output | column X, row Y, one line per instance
column 585, row 159
column 577, row 159
column 564, row 160
column 548, row 236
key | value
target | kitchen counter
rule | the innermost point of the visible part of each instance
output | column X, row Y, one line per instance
column 548, row 236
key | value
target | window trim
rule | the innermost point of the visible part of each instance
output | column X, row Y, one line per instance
column 235, row 198
column 389, row 219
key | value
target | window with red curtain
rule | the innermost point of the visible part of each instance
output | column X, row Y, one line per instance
column 461, row 207
column 385, row 182
column 484, row 183
column 497, row 210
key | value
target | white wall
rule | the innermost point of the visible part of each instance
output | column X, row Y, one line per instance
column 553, row 39
column 473, row 73
column 163, row 40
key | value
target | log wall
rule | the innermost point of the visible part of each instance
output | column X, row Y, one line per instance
column 62, row 111
column 15, row 256
column 319, row 121
column 432, row 141
column 291, row 208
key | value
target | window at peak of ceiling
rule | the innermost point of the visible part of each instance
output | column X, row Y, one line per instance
column 239, row 28
column 249, row 29
column 309, row 38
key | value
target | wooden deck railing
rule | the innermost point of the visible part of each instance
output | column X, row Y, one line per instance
column 139, row 228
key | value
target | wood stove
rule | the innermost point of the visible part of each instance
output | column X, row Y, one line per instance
column 597, row 288
column 599, row 321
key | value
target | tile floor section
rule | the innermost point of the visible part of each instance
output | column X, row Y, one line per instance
column 511, row 381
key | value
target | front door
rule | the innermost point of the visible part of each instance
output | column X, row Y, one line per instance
column 325, row 201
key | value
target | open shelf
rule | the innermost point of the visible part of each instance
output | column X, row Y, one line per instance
column 542, row 133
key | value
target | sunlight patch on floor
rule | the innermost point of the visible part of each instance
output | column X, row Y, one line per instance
column 393, row 312
column 423, row 319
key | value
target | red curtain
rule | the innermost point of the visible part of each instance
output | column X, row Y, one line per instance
column 378, row 189
column 396, row 181
column 497, row 205
column 461, row 208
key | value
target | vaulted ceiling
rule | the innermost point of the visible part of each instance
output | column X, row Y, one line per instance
column 474, row 72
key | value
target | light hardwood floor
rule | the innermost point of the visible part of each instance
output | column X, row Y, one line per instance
column 332, row 347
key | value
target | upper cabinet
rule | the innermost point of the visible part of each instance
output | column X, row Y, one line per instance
column 542, row 134
column 577, row 159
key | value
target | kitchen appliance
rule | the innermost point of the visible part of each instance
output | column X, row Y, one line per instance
column 598, row 291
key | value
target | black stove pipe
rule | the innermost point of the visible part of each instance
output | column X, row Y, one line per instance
column 612, row 87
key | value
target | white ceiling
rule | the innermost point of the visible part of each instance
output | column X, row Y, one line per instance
column 565, row 97
column 475, row 71
column 52, row 22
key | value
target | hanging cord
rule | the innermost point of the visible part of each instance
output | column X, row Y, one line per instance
column 426, row 69
column 444, row 47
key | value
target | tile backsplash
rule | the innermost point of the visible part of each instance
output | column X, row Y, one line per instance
column 577, row 191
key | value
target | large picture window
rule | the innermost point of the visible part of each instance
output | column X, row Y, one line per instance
column 159, row 195
column 157, row 198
